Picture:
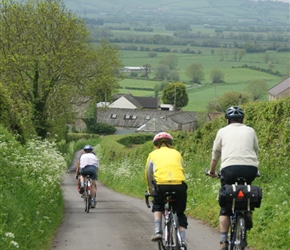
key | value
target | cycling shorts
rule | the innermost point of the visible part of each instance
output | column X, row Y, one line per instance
column 90, row 170
column 179, row 204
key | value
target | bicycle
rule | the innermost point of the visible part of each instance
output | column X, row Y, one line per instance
column 87, row 194
column 171, row 239
column 241, row 219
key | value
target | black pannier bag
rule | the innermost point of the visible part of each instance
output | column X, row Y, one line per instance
column 240, row 197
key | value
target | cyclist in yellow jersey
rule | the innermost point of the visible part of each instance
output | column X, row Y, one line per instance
column 165, row 173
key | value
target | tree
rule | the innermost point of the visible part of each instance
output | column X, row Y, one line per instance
column 162, row 72
column 217, row 76
column 48, row 63
column 170, row 60
column 231, row 98
column 147, row 69
column 195, row 72
column 241, row 54
column 258, row 88
column 175, row 93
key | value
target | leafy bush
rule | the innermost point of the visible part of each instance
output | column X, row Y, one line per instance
column 32, row 202
column 125, row 171
column 135, row 139
column 99, row 128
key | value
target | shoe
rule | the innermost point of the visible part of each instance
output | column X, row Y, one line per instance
column 248, row 220
column 157, row 236
column 82, row 189
column 224, row 245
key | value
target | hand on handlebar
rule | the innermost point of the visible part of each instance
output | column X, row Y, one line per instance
column 212, row 175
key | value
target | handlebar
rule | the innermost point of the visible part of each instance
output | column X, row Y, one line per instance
column 147, row 195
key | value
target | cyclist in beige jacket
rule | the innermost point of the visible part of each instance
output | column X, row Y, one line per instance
column 237, row 146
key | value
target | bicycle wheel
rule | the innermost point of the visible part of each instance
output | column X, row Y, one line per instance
column 87, row 199
column 239, row 235
column 173, row 233
column 164, row 244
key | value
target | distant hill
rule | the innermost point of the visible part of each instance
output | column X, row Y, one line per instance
column 197, row 11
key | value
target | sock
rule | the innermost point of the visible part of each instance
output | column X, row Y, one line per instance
column 224, row 237
column 82, row 183
column 157, row 224
column 182, row 235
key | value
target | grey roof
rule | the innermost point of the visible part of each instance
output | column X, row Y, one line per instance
column 280, row 87
column 148, row 102
column 183, row 117
column 155, row 125
column 135, row 118
column 142, row 101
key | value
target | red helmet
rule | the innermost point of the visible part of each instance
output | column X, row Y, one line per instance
column 162, row 137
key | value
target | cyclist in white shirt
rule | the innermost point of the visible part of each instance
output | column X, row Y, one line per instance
column 88, row 165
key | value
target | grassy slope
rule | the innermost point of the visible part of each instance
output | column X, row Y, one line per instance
column 123, row 170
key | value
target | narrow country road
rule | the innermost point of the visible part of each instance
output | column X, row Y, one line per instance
column 118, row 222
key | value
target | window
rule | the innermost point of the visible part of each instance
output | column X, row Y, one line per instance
column 113, row 116
column 134, row 117
column 147, row 117
column 127, row 117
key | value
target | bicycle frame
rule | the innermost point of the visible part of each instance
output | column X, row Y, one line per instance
column 171, row 235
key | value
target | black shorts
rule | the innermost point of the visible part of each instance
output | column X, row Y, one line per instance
column 229, row 175
column 179, row 204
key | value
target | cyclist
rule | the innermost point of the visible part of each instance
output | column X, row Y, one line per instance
column 88, row 165
column 164, row 172
column 237, row 146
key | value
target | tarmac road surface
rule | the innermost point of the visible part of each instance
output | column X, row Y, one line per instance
column 118, row 222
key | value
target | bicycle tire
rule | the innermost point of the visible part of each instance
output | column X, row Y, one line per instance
column 165, row 242
column 87, row 199
column 173, row 233
column 177, row 238
column 239, row 234
column 87, row 204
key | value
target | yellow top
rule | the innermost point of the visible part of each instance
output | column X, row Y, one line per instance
column 165, row 166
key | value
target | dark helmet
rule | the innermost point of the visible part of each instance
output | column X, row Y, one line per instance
column 234, row 112
column 88, row 148
column 162, row 137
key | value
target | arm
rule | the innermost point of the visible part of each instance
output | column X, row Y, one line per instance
column 212, row 169
column 216, row 154
column 78, row 168
column 149, row 175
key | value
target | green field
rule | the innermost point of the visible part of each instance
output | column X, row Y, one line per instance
column 236, row 79
column 210, row 30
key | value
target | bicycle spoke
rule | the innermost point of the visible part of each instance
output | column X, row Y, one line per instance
column 240, row 234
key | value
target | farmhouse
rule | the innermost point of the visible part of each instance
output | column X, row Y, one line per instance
column 280, row 90
column 146, row 120
column 129, row 101
column 135, row 69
